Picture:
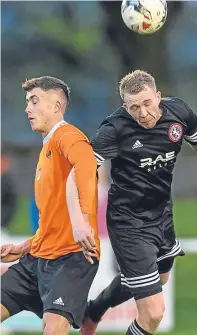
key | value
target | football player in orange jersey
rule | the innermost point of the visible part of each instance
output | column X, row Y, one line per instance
column 53, row 278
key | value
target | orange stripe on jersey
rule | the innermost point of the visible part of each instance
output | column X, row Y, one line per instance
column 65, row 148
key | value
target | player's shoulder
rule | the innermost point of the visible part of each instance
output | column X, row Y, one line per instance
column 116, row 116
column 176, row 106
column 69, row 129
column 174, row 102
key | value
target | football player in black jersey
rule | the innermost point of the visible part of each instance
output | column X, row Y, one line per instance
column 142, row 139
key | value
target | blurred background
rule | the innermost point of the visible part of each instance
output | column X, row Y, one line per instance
column 86, row 44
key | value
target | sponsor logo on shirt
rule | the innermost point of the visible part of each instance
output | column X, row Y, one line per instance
column 159, row 161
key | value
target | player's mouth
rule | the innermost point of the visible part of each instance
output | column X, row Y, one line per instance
column 31, row 119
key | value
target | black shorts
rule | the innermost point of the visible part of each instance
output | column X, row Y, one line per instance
column 142, row 254
column 58, row 286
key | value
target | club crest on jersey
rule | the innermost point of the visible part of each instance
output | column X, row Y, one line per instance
column 175, row 132
column 48, row 154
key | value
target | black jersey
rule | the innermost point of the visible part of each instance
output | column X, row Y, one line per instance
column 142, row 160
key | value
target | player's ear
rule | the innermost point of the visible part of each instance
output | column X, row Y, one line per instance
column 57, row 106
column 124, row 105
column 158, row 96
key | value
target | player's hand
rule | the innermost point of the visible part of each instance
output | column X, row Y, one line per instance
column 11, row 252
column 84, row 236
column 89, row 254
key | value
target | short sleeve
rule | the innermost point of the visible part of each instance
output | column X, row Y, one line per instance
column 191, row 130
column 104, row 143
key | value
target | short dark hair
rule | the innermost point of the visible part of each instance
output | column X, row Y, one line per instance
column 46, row 83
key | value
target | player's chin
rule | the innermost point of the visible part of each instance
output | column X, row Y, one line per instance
column 35, row 127
column 148, row 125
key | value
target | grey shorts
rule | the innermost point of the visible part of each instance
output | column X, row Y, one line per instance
column 58, row 286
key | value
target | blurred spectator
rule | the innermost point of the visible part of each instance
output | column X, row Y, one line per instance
column 9, row 198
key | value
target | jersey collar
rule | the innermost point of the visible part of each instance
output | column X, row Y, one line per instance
column 49, row 135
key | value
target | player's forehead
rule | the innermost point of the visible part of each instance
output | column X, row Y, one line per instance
column 146, row 94
column 35, row 93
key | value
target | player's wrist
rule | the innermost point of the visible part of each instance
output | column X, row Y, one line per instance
column 86, row 217
column 25, row 247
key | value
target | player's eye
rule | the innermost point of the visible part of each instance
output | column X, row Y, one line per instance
column 147, row 104
column 134, row 108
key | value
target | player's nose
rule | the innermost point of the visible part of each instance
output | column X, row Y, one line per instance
column 143, row 112
column 27, row 110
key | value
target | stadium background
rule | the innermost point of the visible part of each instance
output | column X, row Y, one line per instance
column 86, row 44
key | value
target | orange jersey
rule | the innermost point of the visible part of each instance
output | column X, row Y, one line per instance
column 64, row 147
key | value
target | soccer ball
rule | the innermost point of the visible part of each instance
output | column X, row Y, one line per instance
column 144, row 16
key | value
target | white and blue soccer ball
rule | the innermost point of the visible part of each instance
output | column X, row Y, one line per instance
column 144, row 16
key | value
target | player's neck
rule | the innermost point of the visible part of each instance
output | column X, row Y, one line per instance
column 51, row 125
